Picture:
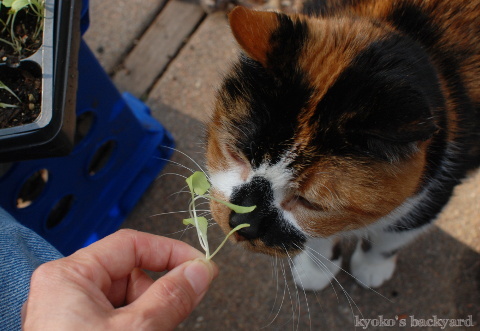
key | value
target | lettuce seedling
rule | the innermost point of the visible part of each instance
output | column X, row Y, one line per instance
column 199, row 186
column 6, row 105
column 37, row 7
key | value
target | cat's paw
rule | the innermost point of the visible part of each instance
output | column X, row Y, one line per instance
column 371, row 272
column 311, row 276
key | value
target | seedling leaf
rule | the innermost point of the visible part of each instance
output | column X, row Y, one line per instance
column 8, row 3
column 236, row 208
column 202, row 224
column 6, row 105
column 5, row 87
column 198, row 183
column 19, row 4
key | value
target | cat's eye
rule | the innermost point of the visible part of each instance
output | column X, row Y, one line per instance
column 235, row 156
column 308, row 204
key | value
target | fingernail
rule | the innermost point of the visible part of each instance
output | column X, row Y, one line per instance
column 199, row 274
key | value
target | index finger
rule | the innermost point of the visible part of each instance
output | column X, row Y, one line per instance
column 115, row 256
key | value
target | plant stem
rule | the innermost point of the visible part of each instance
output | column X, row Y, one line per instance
column 241, row 226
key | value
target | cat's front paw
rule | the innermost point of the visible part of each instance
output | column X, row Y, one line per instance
column 371, row 271
column 314, row 275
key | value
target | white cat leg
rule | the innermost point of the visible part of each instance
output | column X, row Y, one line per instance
column 371, row 270
column 374, row 259
column 317, row 265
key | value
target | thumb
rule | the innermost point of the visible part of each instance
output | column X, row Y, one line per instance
column 173, row 297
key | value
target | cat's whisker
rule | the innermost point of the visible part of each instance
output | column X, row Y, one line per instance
column 288, row 291
column 177, row 212
column 177, row 164
column 322, row 265
column 293, row 268
column 190, row 158
column 179, row 192
column 187, row 228
column 275, row 276
column 273, row 265
column 170, row 173
column 203, row 203
column 324, row 269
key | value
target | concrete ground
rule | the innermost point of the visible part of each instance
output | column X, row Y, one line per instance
column 438, row 275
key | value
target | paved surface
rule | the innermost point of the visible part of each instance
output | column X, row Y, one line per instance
column 437, row 275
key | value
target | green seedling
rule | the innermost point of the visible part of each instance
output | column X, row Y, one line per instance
column 199, row 186
column 37, row 7
column 6, row 105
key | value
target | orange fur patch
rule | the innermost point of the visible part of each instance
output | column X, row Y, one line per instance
column 354, row 194
column 252, row 30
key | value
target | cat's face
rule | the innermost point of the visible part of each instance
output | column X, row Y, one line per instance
column 324, row 125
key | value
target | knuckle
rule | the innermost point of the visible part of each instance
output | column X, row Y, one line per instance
column 45, row 272
column 129, row 233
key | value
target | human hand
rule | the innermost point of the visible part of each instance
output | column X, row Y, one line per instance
column 102, row 286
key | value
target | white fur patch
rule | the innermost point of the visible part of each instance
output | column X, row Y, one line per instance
column 225, row 181
column 312, row 271
column 371, row 270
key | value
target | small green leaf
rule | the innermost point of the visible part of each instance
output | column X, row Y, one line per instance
column 236, row 208
column 5, row 87
column 202, row 225
column 198, row 183
column 7, row 3
column 19, row 4
column 6, row 105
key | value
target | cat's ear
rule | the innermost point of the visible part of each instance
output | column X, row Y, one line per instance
column 252, row 30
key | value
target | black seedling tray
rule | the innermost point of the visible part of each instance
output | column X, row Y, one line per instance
column 52, row 132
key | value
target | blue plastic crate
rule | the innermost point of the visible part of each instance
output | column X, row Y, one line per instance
column 75, row 200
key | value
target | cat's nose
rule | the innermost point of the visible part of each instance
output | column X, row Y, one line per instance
column 254, row 219
column 258, row 192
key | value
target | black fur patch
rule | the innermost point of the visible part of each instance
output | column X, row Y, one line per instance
column 366, row 245
column 415, row 23
column 274, row 95
column 382, row 102
column 418, row 25
column 327, row 7
column 336, row 251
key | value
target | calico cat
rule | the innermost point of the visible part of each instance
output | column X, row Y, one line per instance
column 358, row 120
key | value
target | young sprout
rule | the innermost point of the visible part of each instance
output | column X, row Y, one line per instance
column 199, row 186
column 37, row 6
column 6, row 105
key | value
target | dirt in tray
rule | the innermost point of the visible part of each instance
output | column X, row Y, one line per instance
column 26, row 36
column 25, row 81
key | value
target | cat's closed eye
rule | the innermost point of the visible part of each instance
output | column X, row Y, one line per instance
column 298, row 201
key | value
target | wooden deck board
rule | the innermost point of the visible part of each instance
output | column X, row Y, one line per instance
column 158, row 45
column 115, row 25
